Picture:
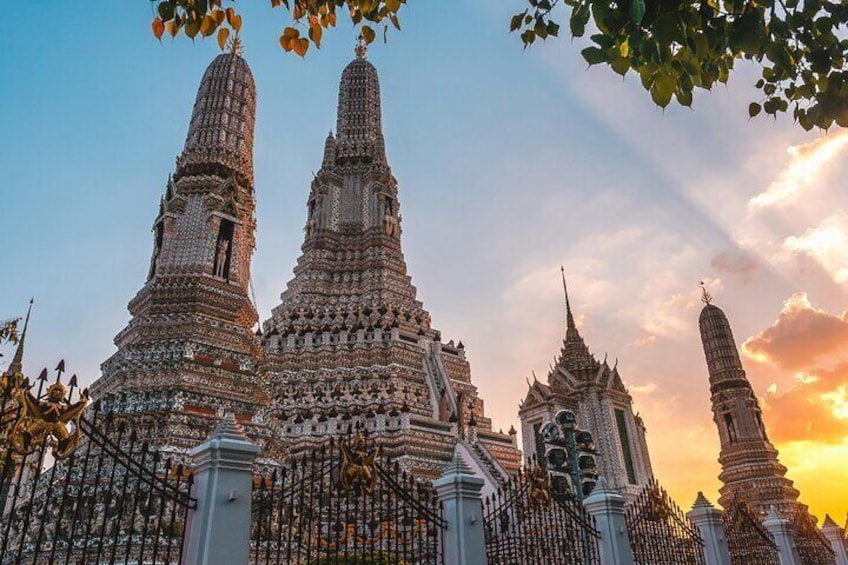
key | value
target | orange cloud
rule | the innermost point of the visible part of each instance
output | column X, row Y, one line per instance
column 815, row 409
column 800, row 335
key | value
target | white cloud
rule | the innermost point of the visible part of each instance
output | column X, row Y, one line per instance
column 826, row 243
column 806, row 163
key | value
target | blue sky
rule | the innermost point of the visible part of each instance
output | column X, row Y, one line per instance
column 510, row 163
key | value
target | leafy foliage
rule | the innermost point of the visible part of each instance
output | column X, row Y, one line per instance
column 676, row 46
column 9, row 331
column 212, row 17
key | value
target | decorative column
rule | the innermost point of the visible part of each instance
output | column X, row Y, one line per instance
column 218, row 530
column 707, row 518
column 459, row 491
column 607, row 508
column 784, row 537
column 834, row 535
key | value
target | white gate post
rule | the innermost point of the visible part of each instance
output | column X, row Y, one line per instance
column 707, row 518
column 218, row 530
column 784, row 537
column 607, row 508
column 833, row 533
column 459, row 491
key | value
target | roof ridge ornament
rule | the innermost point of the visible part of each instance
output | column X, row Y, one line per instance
column 361, row 48
column 706, row 297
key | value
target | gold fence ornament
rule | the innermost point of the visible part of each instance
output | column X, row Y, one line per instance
column 357, row 472
column 47, row 420
column 540, row 488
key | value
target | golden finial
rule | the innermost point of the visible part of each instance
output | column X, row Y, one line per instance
column 706, row 297
column 361, row 48
column 236, row 46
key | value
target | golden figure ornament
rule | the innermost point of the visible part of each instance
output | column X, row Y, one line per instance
column 357, row 472
column 53, row 419
column 540, row 488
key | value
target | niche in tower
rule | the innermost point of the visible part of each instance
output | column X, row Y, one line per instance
column 731, row 427
column 159, row 236
column 224, row 250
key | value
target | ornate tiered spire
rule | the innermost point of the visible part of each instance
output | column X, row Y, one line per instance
column 748, row 459
column 220, row 137
column 190, row 346
column 575, row 356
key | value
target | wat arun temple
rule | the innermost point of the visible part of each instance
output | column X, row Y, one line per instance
column 349, row 346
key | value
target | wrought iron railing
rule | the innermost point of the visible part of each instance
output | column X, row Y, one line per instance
column 345, row 503
column 813, row 547
column 660, row 533
column 525, row 522
column 83, row 487
column 747, row 539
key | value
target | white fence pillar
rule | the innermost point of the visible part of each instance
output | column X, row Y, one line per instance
column 834, row 535
column 459, row 491
column 784, row 537
column 218, row 531
column 707, row 518
column 607, row 508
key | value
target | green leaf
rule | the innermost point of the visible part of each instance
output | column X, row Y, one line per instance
column 594, row 56
column 663, row 88
column 166, row 11
column 637, row 10
column 515, row 22
column 579, row 18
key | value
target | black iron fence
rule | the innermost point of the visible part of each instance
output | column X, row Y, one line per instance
column 525, row 522
column 813, row 547
column 345, row 503
column 660, row 533
column 747, row 539
column 80, row 486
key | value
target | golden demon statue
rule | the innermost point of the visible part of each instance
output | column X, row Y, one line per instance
column 540, row 487
column 357, row 472
column 47, row 420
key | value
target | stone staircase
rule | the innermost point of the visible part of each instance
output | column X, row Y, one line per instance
column 487, row 461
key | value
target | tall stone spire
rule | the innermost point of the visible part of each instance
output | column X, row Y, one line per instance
column 748, row 460
column 575, row 356
column 17, row 364
column 350, row 343
column 189, row 354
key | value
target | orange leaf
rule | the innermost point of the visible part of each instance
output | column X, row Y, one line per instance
column 223, row 34
column 172, row 28
column 367, row 34
column 207, row 26
column 158, row 28
column 236, row 23
column 315, row 32
column 219, row 16
column 230, row 15
column 301, row 46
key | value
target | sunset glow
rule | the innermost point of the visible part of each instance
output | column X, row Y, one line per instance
column 510, row 164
